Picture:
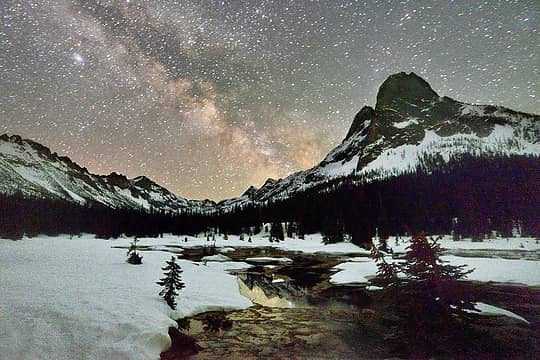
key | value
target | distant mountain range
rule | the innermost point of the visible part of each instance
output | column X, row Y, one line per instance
column 409, row 124
column 31, row 169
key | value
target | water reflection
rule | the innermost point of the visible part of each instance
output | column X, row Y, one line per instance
column 267, row 290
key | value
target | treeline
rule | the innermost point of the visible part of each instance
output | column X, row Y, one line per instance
column 469, row 196
column 26, row 216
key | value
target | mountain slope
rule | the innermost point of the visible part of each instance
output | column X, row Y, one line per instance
column 410, row 123
column 31, row 169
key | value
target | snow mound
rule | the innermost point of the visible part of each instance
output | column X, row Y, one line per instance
column 218, row 257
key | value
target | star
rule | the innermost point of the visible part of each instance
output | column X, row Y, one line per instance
column 209, row 97
column 79, row 60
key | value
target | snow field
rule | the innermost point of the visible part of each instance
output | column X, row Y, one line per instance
column 72, row 299
column 518, row 243
column 75, row 298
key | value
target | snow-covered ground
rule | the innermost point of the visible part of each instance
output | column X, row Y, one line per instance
column 72, row 299
column 68, row 298
column 360, row 270
column 517, row 243
column 311, row 244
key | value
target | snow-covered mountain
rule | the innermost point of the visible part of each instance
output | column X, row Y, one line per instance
column 31, row 169
column 409, row 123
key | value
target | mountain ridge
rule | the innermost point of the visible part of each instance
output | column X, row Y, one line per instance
column 31, row 168
column 410, row 120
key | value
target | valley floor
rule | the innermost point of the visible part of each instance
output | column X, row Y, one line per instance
column 71, row 297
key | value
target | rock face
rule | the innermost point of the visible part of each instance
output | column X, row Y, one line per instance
column 404, row 91
column 409, row 123
column 31, row 169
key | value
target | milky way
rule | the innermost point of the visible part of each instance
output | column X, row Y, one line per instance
column 209, row 97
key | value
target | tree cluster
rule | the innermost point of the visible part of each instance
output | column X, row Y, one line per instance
column 425, row 292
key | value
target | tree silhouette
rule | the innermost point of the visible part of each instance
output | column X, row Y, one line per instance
column 386, row 272
column 133, row 256
column 428, row 299
column 171, row 283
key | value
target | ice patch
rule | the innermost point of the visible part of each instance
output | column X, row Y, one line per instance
column 218, row 257
column 490, row 310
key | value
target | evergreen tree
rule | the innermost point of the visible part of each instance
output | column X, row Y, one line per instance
column 171, row 283
column 276, row 231
column 386, row 273
column 428, row 298
column 383, row 244
column 290, row 229
column 332, row 231
column 133, row 256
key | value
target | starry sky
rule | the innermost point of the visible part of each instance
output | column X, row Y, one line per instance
column 209, row 97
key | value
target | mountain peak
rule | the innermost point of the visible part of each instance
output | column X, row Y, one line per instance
column 403, row 88
column 13, row 138
column 367, row 113
column 143, row 182
column 250, row 191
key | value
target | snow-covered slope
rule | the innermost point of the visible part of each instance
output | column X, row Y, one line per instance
column 410, row 124
column 31, row 169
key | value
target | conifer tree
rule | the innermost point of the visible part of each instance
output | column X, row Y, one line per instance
column 386, row 272
column 171, row 283
column 432, row 299
column 332, row 231
column 133, row 256
column 428, row 297
column 290, row 229
column 276, row 231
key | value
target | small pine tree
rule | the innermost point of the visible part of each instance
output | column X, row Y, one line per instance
column 383, row 244
column 171, row 283
column 133, row 256
column 386, row 273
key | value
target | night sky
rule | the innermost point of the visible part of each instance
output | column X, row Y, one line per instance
column 209, row 97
